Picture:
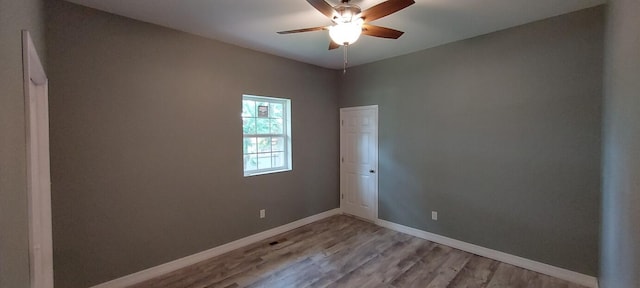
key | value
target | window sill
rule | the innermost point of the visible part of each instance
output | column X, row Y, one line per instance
column 266, row 172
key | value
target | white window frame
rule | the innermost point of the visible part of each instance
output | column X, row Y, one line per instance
column 286, row 134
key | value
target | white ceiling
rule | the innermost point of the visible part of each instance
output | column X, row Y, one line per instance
column 254, row 23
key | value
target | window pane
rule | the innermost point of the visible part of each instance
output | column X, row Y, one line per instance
column 249, row 125
column 276, row 126
column 264, row 144
column 263, row 126
column 276, row 110
column 264, row 160
column 249, row 145
column 277, row 144
column 248, row 108
column 278, row 159
column 250, row 162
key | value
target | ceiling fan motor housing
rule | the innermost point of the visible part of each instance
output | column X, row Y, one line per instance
column 346, row 13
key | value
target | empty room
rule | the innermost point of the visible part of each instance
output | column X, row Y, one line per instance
column 319, row 143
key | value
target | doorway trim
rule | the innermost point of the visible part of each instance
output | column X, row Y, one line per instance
column 38, row 167
column 377, row 170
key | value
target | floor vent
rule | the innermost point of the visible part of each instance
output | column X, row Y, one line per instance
column 277, row 242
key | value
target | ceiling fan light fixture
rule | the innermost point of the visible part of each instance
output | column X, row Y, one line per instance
column 346, row 33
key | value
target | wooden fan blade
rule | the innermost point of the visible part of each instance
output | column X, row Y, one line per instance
column 382, row 32
column 323, row 7
column 333, row 45
column 304, row 30
column 385, row 8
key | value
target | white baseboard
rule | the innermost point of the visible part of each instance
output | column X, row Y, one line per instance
column 539, row 267
column 156, row 271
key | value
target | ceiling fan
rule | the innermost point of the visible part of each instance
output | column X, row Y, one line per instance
column 349, row 21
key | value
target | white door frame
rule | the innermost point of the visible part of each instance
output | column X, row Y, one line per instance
column 38, row 170
column 377, row 171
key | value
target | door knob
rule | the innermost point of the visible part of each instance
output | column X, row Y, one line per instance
column 372, row 171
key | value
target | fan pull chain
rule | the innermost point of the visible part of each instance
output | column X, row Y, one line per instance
column 345, row 49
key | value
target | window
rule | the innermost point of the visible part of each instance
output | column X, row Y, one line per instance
column 266, row 129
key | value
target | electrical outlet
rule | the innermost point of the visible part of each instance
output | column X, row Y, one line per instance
column 434, row 215
column 263, row 213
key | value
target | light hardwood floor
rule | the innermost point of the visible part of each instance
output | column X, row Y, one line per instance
column 343, row 251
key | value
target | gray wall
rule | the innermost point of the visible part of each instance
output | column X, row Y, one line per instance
column 620, row 265
column 146, row 144
column 500, row 134
column 14, row 254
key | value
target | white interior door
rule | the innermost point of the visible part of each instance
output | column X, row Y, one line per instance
column 359, row 161
column 38, row 173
